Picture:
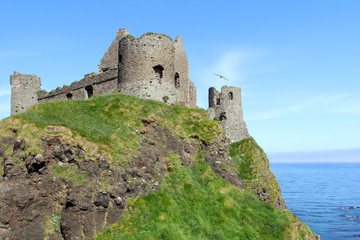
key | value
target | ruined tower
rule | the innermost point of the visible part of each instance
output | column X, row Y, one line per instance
column 226, row 107
column 155, row 67
column 146, row 67
column 24, row 89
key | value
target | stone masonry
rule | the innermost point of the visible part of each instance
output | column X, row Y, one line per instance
column 24, row 90
column 150, row 67
column 110, row 58
column 226, row 107
column 155, row 67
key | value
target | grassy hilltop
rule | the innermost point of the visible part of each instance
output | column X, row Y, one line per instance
column 119, row 167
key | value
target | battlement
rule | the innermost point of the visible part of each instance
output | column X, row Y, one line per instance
column 226, row 107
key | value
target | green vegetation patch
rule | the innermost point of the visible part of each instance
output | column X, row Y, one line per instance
column 68, row 174
column 1, row 168
column 112, row 121
column 194, row 203
column 253, row 168
column 52, row 224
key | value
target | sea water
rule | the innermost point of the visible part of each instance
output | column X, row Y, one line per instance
column 324, row 196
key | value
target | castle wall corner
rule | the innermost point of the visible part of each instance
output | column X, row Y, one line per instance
column 111, row 57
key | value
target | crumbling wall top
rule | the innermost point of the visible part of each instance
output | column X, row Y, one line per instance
column 226, row 107
column 89, row 79
column 110, row 58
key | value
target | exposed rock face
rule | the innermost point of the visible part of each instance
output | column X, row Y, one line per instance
column 62, row 194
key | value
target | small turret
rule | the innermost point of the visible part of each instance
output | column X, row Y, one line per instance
column 226, row 107
column 24, row 89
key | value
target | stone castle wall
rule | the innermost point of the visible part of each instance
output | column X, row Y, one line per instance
column 226, row 107
column 24, row 90
column 150, row 67
column 147, row 67
column 181, row 78
column 92, row 84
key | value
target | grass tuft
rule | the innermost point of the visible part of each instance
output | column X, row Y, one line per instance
column 68, row 174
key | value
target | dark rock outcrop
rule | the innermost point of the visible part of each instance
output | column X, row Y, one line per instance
column 62, row 193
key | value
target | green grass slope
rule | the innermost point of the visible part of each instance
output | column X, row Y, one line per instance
column 112, row 122
column 253, row 168
column 193, row 202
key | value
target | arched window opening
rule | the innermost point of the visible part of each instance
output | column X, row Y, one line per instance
column 222, row 116
column 89, row 90
column 69, row 96
column 217, row 101
column 158, row 71
column 177, row 80
column 231, row 96
column 120, row 58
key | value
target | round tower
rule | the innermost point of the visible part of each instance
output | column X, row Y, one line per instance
column 147, row 67
column 24, row 89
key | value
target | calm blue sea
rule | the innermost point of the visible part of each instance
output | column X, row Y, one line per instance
column 324, row 196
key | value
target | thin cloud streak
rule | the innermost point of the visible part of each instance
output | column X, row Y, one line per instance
column 229, row 64
column 313, row 103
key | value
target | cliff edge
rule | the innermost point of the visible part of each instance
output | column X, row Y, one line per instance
column 117, row 166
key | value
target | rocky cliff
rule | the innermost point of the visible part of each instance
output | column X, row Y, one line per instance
column 121, row 167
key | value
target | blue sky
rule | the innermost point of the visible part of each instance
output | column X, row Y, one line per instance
column 297, row 62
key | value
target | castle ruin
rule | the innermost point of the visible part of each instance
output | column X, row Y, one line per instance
column 150, row 67
column 226, row 107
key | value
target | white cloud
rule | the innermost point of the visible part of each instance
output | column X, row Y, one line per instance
column 230, row 64
column 323, row 103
